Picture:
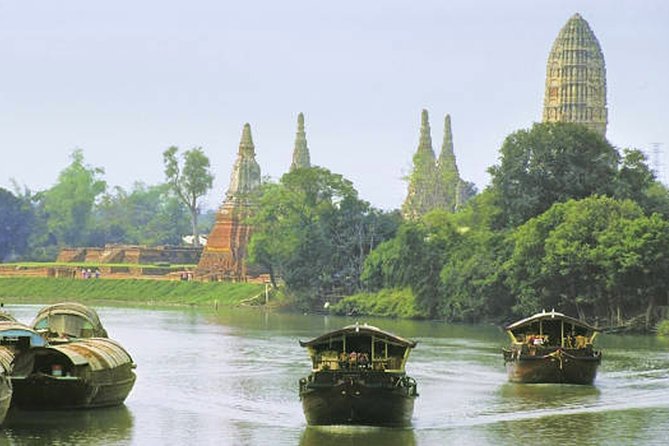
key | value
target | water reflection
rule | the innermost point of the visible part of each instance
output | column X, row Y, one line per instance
column 356, row 435
column 102, row 426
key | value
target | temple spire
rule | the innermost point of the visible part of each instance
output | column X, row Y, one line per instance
column 423, row 180
column 576, row 78
column 425, row 142
column 245, row 175
column 301, row 157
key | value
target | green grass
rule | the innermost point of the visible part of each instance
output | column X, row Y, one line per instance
column 386, row 303
column 127, row 291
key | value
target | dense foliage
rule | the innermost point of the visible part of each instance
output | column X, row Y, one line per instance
column 313, row 232
column 567, row 223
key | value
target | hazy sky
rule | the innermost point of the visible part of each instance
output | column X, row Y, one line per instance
column 123, row 80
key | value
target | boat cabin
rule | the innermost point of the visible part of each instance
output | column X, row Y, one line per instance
column 552, row 329
column 67, row 320
column 359, row 347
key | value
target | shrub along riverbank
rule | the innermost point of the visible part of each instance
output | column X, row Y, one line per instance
column 127, row 291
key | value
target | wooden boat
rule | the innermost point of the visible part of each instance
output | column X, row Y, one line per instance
column 64, row 321
column 93, row 372
column 77, row 365
column 550, row 347
column 358, row 377
column 14, row 337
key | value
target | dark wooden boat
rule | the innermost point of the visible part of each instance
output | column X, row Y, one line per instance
column 550, row 347
column 358, row 377
column 65, row 321
column 93, row 372
column 14, row 337
column 76, row 366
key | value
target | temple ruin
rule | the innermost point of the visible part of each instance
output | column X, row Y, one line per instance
column 224, row 256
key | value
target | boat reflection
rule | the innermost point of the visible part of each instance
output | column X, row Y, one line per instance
column 98, row 426
column 356, row 435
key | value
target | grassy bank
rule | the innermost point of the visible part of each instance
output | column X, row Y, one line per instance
column 127, row 291
column 385, row 303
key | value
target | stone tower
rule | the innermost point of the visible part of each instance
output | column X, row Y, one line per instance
column 576, row 78
column 422, row 193
column 301, row 157
column 224, row 256
column 447, row 169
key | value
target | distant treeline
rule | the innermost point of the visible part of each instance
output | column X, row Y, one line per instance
column 568, row 222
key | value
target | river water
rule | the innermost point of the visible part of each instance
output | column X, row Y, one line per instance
column 230, row 378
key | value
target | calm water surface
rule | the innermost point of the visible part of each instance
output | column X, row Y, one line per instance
column 231, row 378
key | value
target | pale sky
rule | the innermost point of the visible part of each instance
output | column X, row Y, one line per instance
column 123, row 80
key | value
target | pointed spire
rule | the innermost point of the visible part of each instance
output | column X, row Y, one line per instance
column 245, row 175
column 301, row 158
column 447, row 145
column 246, row 143
column 425, row 142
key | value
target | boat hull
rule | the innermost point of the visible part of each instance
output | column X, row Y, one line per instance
column 557, row 367
column 44, row 392
column 371, row 399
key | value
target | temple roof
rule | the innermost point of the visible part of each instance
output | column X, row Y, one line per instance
column 245, row 175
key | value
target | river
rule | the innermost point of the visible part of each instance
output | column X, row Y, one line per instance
column 230, row 378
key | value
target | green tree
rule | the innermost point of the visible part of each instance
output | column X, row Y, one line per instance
column 598, row 257
column 190, row 181
column 551, row 162
column 16, row 219
column 314, row 232
column 67, row 206
column 147, row 215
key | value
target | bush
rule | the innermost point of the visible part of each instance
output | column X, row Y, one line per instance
column 663, row 328
column 386, row 303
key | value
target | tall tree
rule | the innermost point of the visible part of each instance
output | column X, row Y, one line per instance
column 16, row 216
column 551, row 162
column 68, row 205
column 313, row 231
column 189, row 182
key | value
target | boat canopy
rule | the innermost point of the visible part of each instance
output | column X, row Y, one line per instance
column 549, row 315
column 19, row 335
column 70, row 319
column 4, row 316
column 94, row 353
column 552, row 329
column 360, row 330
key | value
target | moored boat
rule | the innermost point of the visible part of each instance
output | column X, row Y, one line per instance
column 14, row 337
column 75, row 366
column 550, row 347
column 358, row 377
column 93, row 372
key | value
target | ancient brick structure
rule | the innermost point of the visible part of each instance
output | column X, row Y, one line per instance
column 224, row 256
column 301, row 157
column 434, row 183
column 576, row 78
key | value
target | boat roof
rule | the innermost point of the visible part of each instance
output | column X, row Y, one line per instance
column 549, row 315
column 12, row 330
column 358, row 329
column 4, row 316
column 70, row 308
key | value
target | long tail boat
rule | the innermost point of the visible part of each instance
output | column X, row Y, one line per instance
column 358, row 377
column 550, row 347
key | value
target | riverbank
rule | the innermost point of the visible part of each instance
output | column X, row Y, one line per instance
column 128, row 291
